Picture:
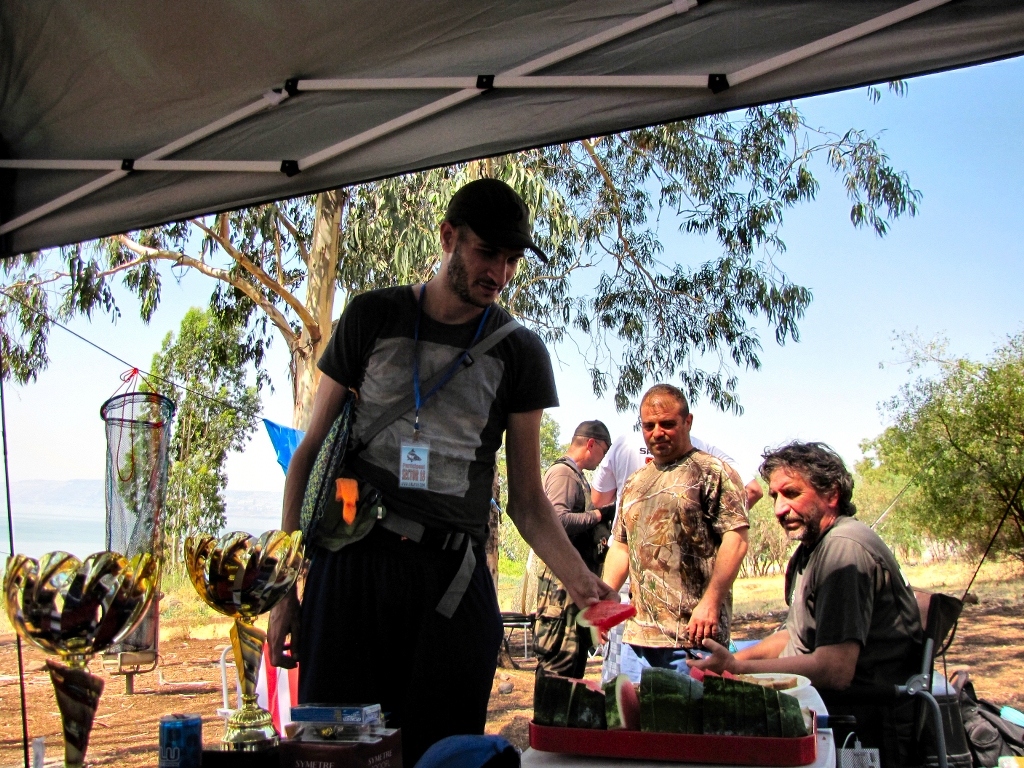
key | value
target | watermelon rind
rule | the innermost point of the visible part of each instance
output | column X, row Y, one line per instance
column 755, row 720
column 612, row 707
column 668, row 700
column 772, row 712
column 622, row 707
column 714, row 705
column 552, row 696
column 696, row 723
column 586, row 707
column 792, row 718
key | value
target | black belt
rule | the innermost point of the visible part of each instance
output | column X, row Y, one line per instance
column 437, row 539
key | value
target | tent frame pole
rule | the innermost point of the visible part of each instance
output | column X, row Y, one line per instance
column 269, row 99
column 468, row 89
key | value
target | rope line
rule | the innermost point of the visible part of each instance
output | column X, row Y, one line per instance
column 145, row 373
column 993, row 539
column 896, row 498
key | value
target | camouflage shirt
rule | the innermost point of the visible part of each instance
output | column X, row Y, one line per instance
column 672, row 520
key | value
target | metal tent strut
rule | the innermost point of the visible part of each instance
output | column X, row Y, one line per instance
column 467, row 88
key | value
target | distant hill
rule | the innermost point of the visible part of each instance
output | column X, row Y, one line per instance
column 60, row 493
column 83, row 499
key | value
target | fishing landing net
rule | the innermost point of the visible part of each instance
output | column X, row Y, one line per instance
column 138, row 426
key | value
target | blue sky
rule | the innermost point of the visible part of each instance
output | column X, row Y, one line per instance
column 956, row 270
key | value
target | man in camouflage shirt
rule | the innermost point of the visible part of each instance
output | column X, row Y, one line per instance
column 560, row 645
column 680, row 537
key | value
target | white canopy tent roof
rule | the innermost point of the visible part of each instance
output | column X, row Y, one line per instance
column 120, row 116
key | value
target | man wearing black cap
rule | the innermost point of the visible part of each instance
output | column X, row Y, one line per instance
column 407, row 616
column 560, row 645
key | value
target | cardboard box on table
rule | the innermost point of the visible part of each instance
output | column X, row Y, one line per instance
column 386, row 753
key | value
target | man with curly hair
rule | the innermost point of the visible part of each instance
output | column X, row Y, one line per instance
column 853, row 618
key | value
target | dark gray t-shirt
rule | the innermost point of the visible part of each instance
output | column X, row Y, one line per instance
column 371, row 351
column 849, row 587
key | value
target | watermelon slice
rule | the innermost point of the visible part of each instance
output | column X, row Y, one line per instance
column 622, row 705
column 586, row 707
column 604, row 615
column 792, row 719
column 670, row 702
column 566, row 701
column 551, row 698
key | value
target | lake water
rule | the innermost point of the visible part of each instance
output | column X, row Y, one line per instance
column 70, row 516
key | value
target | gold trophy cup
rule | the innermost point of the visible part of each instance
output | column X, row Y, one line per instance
column 242, row 576
column 74, row 609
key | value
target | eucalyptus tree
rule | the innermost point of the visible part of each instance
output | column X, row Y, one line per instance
column 635, row 310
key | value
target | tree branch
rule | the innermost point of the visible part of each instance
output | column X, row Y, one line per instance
column 621, row 235
column 266, row 280
column 146, row 253
column 290, row 226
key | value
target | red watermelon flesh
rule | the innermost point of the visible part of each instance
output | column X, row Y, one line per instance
column 622, row 705
column 593, row 685
column 605, row 614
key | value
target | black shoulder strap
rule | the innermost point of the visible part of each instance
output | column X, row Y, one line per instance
column 407, row 402
column 584, row 485
column 571, row 465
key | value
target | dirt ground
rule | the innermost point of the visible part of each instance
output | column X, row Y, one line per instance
column 990, row 641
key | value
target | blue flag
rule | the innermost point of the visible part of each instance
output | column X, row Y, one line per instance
column 285, row 441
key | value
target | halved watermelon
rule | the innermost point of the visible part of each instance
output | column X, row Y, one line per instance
column 622, row 705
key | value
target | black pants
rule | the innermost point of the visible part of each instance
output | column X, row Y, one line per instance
column 665, row 658
column 371, row 634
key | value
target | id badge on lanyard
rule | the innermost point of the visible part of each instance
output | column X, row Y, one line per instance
column 414, row 462
column 414, row 452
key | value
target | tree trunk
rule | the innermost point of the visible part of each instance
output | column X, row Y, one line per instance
column 321, row 285
column 505, row 660
column 493, row 534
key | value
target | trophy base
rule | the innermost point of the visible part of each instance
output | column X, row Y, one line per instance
column 249, row 730
column 78, row 695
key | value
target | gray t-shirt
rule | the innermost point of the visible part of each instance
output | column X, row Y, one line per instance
column 849, row 587
column 372, row 351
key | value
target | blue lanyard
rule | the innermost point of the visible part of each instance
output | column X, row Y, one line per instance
column 421, row 399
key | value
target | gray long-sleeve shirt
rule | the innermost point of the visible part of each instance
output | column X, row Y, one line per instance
column 569, row 493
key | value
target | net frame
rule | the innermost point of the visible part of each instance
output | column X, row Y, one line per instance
column 138, row 431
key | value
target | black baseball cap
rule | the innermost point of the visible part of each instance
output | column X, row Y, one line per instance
column 595, row 429
column 496, row 213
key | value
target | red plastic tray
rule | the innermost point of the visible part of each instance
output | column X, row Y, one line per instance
column 677, row 747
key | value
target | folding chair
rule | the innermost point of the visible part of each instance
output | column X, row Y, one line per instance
column 939, row 615
column 511, row 621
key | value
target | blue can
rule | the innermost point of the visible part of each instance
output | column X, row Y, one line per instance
column 181, row 741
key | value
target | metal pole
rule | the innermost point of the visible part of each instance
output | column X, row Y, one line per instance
column 10, row 538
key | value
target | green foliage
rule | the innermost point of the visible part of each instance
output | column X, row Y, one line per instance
column 637, row 313
column 509, row 539
column 768, row 547
column 876, row 488
column 960, row 433
column 215, row 414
